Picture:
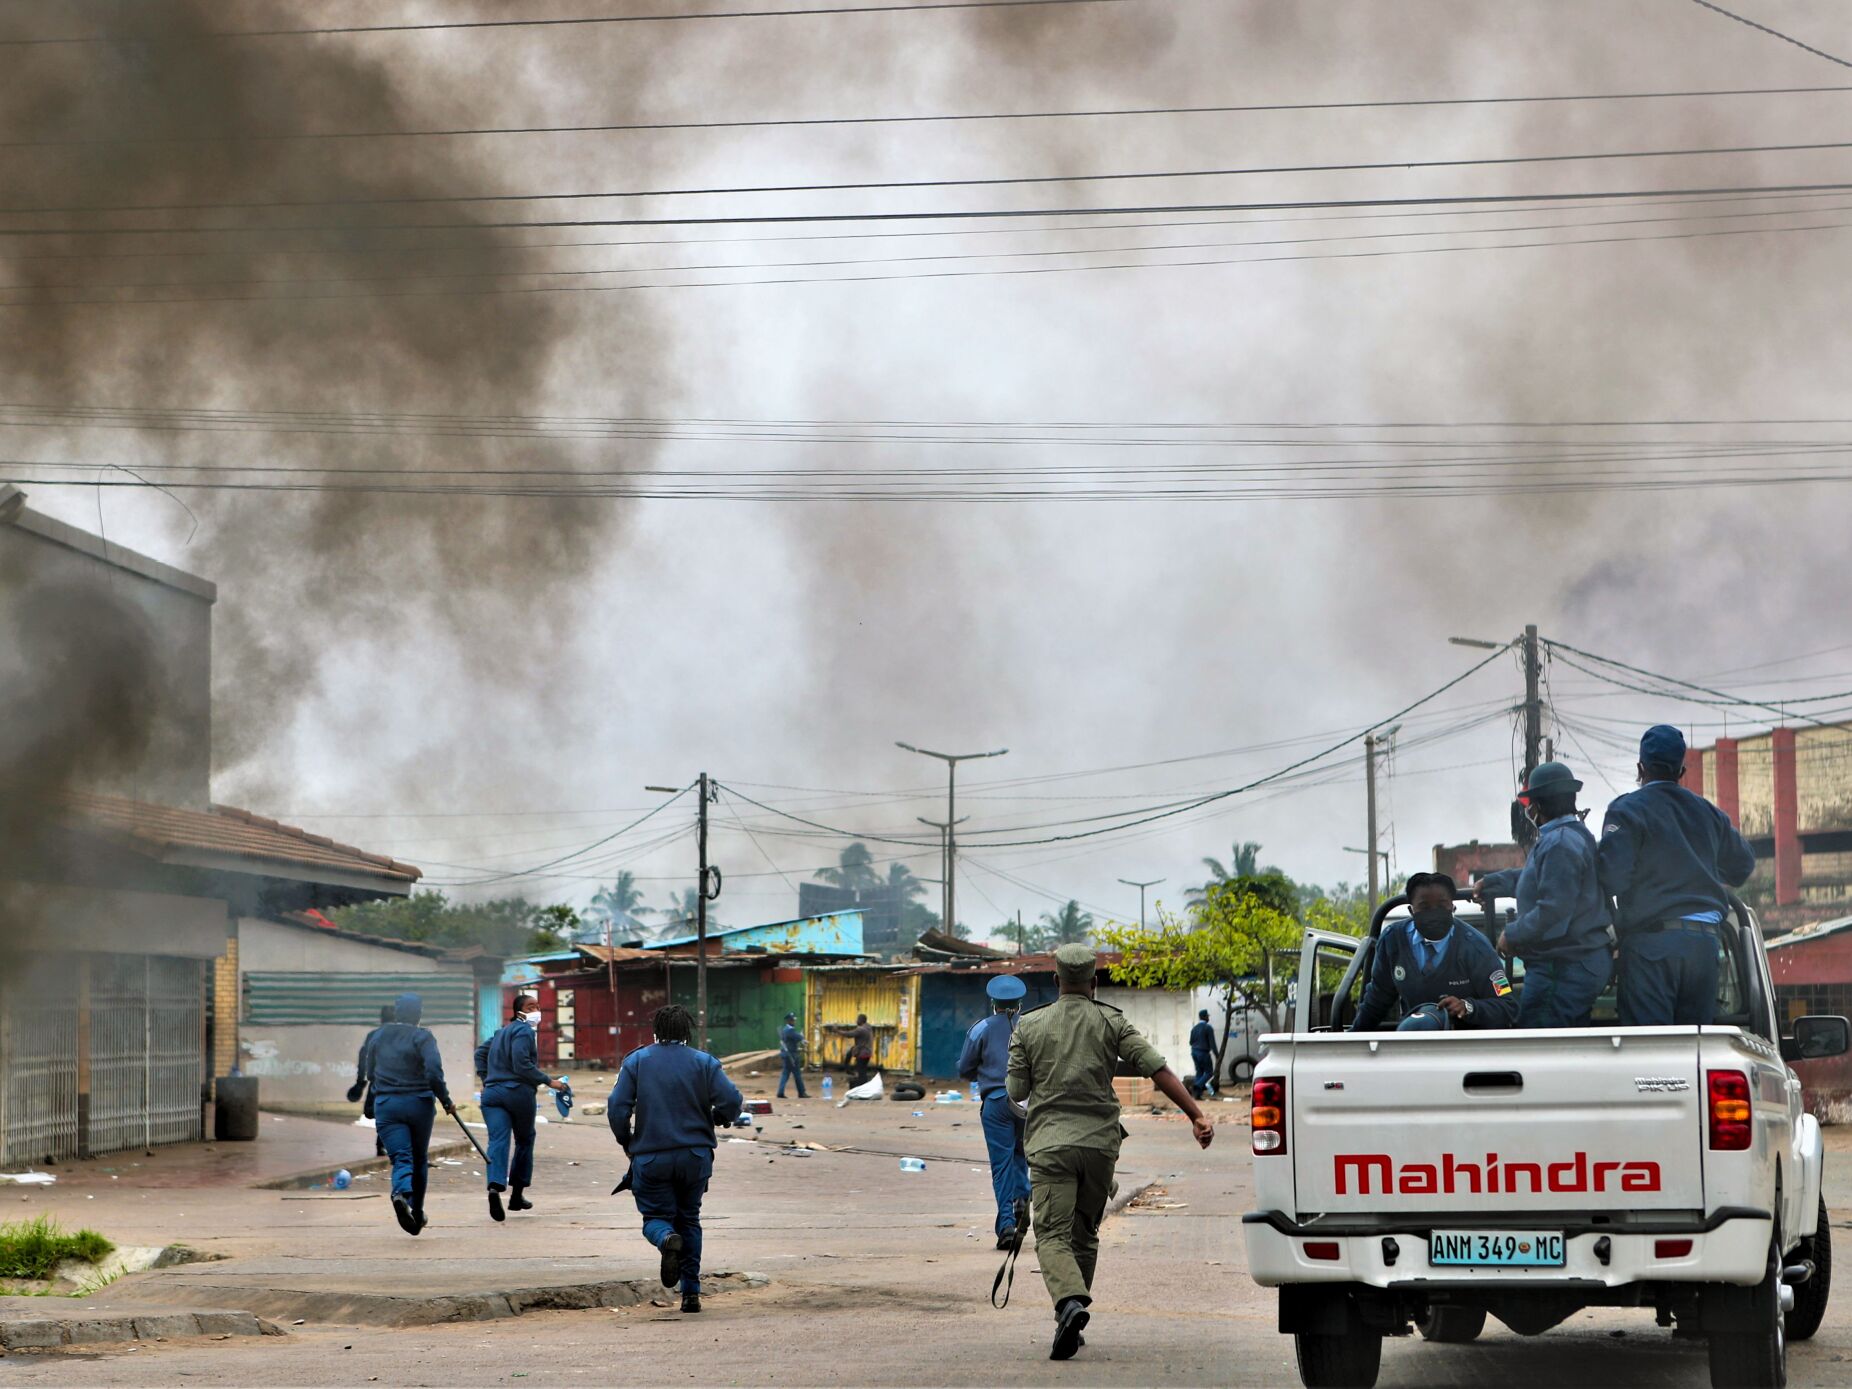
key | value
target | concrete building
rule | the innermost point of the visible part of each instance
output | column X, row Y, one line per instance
column 310, row 992
column 1812, row 969
column 122, row 884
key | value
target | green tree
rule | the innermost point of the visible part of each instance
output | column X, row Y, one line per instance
column 1228, row 943
column 1069, row 926
column 854, row 869
column 621, row 899
column 505, row 926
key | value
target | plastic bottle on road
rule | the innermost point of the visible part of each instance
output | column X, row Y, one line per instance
column 342, row 1180
column 912, row 1165
column 826, row 1087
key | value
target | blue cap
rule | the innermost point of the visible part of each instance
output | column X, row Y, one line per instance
column 1006, row 988
column 1664, row 745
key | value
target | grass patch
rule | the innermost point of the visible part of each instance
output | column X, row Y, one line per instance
column 35, row 1248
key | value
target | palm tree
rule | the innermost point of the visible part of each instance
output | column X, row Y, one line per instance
column 622, row 899
column 901, row 880
column 1244, row 862
column 854, row 869
column 1069, row 926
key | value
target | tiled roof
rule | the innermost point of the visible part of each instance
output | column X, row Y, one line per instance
column 171, row 833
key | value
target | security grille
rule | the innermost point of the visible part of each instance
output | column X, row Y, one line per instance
column 38, row 1059
column 146, row 1050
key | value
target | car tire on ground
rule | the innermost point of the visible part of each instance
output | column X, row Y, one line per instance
column 1452, row 1325
column 1810, row 1297
column 1755, row 1359
column 1241, row 1070
column 906, row 1090
column 1338, row 1362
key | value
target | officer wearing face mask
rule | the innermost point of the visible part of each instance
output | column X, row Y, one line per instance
column 1445, row 974
column 508, row 1066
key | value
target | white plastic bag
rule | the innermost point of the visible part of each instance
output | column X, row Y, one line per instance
column 868, row 1090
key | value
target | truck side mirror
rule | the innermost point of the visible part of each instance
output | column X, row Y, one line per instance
column 1817, row 1037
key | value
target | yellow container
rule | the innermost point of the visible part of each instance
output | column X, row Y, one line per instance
column 832, row 998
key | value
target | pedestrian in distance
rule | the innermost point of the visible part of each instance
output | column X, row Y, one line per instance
column 508, row 1069
column 1063, row 1056
column 1443, row 972
column 667, row 1102
column 407, row 1077
column 791, row 1056
column 1669, row 857
column 1561, row 930
column 359, row 1087
column 862, row 1049
column 985, row 1062
column 1202, row 1055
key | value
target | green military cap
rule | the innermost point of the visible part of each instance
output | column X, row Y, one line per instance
column 1075, row 964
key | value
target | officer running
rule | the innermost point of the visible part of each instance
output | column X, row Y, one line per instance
column 359, row 1087
column 407, row 1076
column 1668, row 855
column 1062, row 1059
column 1444, row 973
column 1561, row 931
column 1202, row 1054
column 985, row 1062
column 667, row 1101
column 791, row 1056
column 508, row 1068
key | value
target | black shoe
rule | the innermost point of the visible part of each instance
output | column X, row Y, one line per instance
column 518, row 1202
column 671, row 1261
column 402, row 1208
column 691, row 1302
column 1009, row 1239
column 1070, row 1318
column 419, row 1216
column 495, row 1204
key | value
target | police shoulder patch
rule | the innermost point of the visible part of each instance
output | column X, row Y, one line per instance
column 1501, row 983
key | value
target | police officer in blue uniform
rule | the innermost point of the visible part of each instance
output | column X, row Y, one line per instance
column 985, row 1062
column 1202, row 1052
column 1561, row 930
column 791, row 1056
column 508, row 1067
column 407, row 1076
column 1444, row 972
column 1667, row 856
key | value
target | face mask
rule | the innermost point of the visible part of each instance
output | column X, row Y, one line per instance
column 1433, row 922
column 531, row 1019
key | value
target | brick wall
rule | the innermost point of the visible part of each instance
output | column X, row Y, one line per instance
column 225, row 1011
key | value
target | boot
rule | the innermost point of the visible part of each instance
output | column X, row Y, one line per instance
column 671, row 1261
column 518, row 1202
column 402, row 1209
column 1071, row 1318
column 495, row 1204
column 691, row 1302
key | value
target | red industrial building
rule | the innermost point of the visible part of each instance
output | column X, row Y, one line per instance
column 1812, row 967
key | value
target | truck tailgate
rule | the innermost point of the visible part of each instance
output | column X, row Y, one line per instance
column 1488, row 1121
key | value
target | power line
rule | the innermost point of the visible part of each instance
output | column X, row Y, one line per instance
column 1719, row 696
column 575, row 854
column 893, row 185
column 958, row 214
column 502, row 291
column 1773, row 33
column 143, row 39
column 804, row 122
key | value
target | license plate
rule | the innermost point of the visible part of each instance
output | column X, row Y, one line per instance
column 1495, row 1249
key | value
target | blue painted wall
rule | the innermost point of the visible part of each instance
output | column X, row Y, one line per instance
column 839, row 933
column 951, row 1003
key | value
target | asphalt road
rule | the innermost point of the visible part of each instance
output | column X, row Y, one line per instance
column 881, row 1278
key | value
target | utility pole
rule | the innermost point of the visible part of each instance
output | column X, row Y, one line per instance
column 945, row 883
column 1141, row 896
column 707, row 888
column 1369, row 782
column 1533, row 702
column 951, row 760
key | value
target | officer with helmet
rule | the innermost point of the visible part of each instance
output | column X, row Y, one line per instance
column 985, row 1063
column 1561, row 930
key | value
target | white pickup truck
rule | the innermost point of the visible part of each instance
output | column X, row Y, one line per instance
column 1426, row 1179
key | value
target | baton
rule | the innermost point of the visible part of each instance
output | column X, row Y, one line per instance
column 471, row 1137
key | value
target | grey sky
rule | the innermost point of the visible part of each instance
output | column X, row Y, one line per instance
column 786, row 645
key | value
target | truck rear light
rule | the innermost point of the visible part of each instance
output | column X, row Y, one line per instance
column 1729, row 1110
column 1268, row 1116
column 1322, row 1249
column 1671, row 1248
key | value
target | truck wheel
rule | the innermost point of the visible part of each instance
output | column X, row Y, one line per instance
column 1755, row 1359
column 1452, row 1325
column 1339, row 1362
column 1810, row 1297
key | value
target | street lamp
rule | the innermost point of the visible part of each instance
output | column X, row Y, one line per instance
column 951, row 760
column 1141, row 895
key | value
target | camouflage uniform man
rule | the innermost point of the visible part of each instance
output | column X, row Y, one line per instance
column 1062, row 1059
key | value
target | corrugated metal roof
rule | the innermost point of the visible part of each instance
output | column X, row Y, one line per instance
column 1800, row 935
column 174, row 834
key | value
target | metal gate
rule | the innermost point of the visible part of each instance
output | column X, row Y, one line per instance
column 38, row 1059
column 146, row 1050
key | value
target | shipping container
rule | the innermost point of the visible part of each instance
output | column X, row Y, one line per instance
column 834, row 996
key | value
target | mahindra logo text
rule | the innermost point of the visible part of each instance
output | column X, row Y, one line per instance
column 1379, row 1174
